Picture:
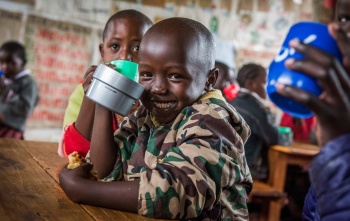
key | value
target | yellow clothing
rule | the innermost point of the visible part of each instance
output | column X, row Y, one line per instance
column 74, row 104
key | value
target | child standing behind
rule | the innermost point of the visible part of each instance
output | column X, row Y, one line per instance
column 19, row 92
column 180, row 155
column 121, row 40
column 303, row 129
column 251, row 104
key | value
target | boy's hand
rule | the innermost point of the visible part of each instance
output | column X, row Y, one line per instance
column 332, row 107
column 88, row 77
column 111, row 66
column 70, row 179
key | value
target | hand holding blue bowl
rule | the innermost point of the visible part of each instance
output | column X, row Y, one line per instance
column 315, row 34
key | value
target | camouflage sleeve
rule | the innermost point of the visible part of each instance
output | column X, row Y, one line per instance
column 204, row 175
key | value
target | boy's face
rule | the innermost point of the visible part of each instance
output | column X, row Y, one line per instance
column 122, row 40
column 343, row 15
column 10, row 64
column 171, row 73
column 258, row 84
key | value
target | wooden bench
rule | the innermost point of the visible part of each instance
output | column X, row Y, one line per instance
column 266, row 194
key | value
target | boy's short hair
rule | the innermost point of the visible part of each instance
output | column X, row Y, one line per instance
column 15, row 48
column 221, row 64
column 190, row 30
column 249, row 71
column 224, row 66
column 129, row 13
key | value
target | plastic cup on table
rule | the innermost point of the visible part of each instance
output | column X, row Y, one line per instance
column 285, row 137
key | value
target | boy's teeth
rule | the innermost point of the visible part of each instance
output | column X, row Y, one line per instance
column 162, row 105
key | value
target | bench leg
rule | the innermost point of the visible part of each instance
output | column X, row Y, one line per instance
column 275, row 210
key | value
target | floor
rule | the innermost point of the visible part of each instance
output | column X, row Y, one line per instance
column 43, row 134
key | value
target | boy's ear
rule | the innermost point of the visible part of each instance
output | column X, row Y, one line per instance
column 212, row 77
column 100, row 47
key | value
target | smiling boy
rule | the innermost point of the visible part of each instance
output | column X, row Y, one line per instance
column 181, row 154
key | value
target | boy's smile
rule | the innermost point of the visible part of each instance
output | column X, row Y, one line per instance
column 160, row 105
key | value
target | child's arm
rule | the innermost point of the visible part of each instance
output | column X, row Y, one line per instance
column 78, row 120
column 18, row 105
column 85, row 119
column 121, row 195
column 103, row 150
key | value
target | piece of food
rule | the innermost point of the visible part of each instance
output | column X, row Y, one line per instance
column 76, row 160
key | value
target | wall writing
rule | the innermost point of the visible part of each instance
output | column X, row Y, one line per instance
column 92, row 10
column 58, row 55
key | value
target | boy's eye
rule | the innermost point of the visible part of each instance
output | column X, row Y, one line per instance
column 175, row 76
column 135, row 48
column 343, row 19
column 115, row 47
column 145, row 74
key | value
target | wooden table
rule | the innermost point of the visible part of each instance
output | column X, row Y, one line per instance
column 30, row 189
column 280, row 157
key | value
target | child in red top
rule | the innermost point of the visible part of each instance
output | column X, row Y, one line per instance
column 121, row 40
column 302, row 128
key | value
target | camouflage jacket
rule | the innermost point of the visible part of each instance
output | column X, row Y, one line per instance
column 193, row 167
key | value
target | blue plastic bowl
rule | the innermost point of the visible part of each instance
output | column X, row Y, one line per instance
column 312, row 33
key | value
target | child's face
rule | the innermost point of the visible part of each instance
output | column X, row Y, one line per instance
column 343, row 15
column 259, row 85
column 122, row 40
column 10, row 64
column 173, row 77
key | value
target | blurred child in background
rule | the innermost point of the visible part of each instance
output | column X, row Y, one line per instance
column 226, row 81
column 19, row 93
